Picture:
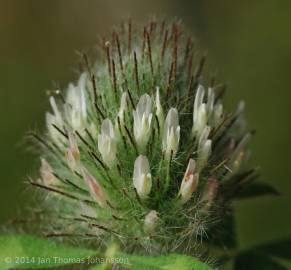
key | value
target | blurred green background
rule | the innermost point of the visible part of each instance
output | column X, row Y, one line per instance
column 249, row 44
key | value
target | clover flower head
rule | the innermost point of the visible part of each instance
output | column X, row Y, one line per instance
column 140, row 149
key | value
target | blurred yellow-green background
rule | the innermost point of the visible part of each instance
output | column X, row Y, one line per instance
column 248, row 43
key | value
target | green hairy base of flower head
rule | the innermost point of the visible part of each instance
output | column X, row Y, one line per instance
column 153, row 183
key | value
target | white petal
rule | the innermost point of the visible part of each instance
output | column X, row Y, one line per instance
column 204, row 135
column 171, row 136
column 217, row 115
column 191, row 167
column 123, row 107
column 172, row 118
column 144, row 105
column 203, row 154
column 141, row 176
column 141, row 166
column 81, row 85
column 201, row 120
column 210, row 101
column 107, row 128
column 189, row 182
column 142, row 121
column 56, row 111
column 158, row 101
column 159, row 110
column 198, row 101
column 107, row 143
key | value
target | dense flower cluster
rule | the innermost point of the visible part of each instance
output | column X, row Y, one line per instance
column 139, row 152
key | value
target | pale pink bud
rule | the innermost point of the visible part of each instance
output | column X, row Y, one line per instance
column 72, row 155
column 47, row 173
column 210, row 192
column 189, row 182
column 95, row 188
column 107, row 143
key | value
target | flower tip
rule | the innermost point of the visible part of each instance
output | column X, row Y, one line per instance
column 95, row 188
column 107, row 143
column 142, row 179
column 47, row 173
column 72, row 154
column 210, row 192
column 142, row 118
column 189, row 183
column 151, row 221
column 171, row 136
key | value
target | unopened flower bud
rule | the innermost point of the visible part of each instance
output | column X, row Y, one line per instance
column 210, row 192
column 47, row 173
column 189, row 182
column 197, row 111
column 201, row 120
column 238, row 161
column 56, row 119
column 151, row 221
column 204, row 152
column 73, row 154
column 159, row 109
column 142, row 118
column 76, row 106
column 95, row 188
column 199, row 96
column 171, row 136
column 142, row 179
column 210, row 101
column 217, row 115
column 107, row 143
column 123, row 108
column 204, row 136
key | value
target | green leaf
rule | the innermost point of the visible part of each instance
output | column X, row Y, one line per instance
column 170, row 262
column 27, row 252
column 98, row 267
column 256, row 261
column 281, row 249
column 257, row 189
